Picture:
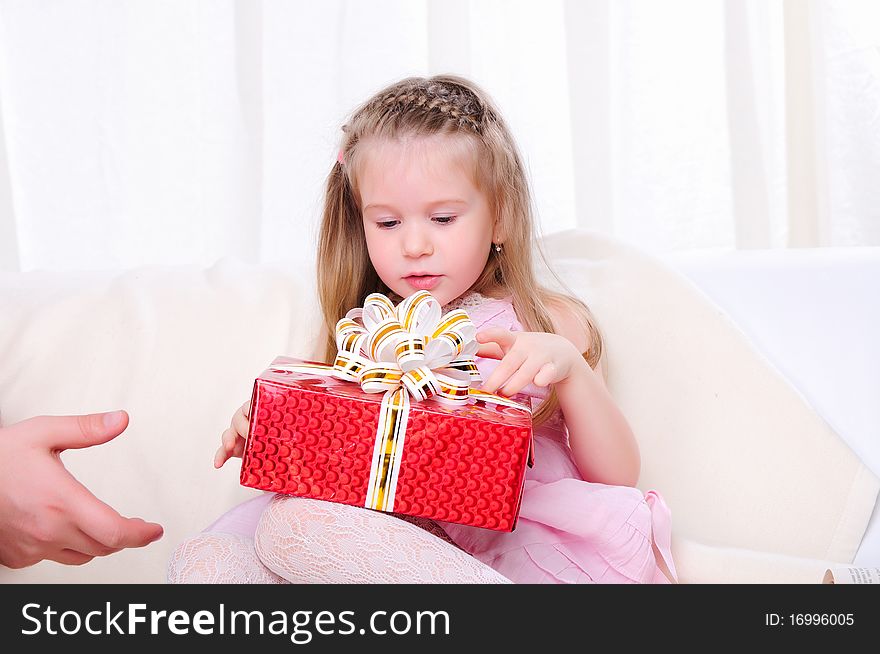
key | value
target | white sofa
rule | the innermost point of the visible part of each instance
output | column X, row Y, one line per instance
column 769, row 480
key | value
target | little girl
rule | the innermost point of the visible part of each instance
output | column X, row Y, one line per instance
column 429, row 192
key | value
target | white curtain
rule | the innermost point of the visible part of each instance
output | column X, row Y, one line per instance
column 182, row 131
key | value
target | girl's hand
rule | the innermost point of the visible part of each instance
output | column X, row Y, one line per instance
column 233, row 438
column 526, row 357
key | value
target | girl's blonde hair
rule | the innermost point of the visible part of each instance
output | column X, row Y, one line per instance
column 422, row 107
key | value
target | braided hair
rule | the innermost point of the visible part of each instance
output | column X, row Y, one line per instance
column 444, row 104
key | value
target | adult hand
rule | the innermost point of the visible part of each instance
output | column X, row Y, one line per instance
column 45, row 513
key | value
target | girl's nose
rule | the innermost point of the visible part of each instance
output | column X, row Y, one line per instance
column 416, row 243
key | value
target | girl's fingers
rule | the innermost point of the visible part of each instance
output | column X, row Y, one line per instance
column 521, row 378
column 228, row 439
column 546, row 375
column 490, row 351
column 509, row 365
column 220, row 457
column 495, row 342
column 504, row 337
column 246, row 409
column 232, row 440
column 240, row 423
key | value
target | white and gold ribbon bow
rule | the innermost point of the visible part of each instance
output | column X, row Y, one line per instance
column 411, row 349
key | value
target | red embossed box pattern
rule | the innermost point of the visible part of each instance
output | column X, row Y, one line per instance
column 314, row 436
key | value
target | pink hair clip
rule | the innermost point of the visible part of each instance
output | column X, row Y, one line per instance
column 341, row 157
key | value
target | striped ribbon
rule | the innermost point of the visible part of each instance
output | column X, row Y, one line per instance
column 411, row 349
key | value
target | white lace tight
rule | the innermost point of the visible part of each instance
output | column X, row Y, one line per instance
column 300, row 540
column 218, row 558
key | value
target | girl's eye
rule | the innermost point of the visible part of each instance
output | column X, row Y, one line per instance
column 442, row 220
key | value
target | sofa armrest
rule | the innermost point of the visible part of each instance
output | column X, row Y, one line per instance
column 814, row 314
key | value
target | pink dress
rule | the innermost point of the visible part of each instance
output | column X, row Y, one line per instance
column 569, row 530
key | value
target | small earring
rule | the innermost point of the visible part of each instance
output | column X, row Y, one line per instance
column 498, row 248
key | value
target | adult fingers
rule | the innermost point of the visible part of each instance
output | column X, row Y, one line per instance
column 70, row 557
column 120, row 532
column 79, row 541
column 91, row 546
column 65, row 432
column 509, row 365
column 102, row 523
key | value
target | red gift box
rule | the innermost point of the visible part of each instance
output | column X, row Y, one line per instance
column 316, row 436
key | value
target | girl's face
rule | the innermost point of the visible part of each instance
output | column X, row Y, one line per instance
column 427, row 225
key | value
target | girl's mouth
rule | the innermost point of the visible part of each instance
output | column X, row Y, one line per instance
column 423, row 282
